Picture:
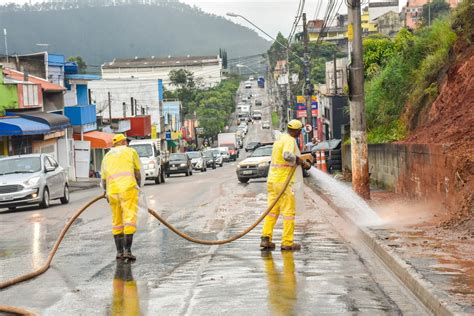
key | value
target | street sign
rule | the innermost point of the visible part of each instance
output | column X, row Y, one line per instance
column 308, row 128
column 300, row 114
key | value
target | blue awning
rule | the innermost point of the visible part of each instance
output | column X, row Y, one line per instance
column 53, row 121
column 17, row 126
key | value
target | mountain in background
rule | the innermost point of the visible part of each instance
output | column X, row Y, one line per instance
column 102, row 33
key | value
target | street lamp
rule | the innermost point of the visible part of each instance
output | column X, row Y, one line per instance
column 235, row 15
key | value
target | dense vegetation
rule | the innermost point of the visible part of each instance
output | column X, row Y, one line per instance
column 100, row 33
column 212, row 107
column 402, row 74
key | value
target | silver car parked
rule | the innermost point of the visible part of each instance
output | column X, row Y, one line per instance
column 32, row 179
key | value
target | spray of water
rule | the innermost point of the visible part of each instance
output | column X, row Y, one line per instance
column 342, row 195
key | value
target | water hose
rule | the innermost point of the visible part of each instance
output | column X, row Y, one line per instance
column 45, row 267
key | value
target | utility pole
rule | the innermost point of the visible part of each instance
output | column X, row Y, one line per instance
column 308, row 90
column 359, row 149
column 335, row 74
column 110, row 108
column 6, row 45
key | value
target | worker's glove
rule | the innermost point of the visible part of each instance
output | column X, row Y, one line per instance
column 306, row 165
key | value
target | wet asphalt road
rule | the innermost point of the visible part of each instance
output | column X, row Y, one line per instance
column 174, row 277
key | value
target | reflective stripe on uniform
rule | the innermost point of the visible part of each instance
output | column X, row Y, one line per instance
column 272, row 215
column 120, row 174
column 117, row 227
column 130, row 224
column 288, row 218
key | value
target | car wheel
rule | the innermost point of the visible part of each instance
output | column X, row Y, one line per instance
column 222, row 164
column 167, row 175
column 187, row 173
column 12, row 208
column 45, row 201
column 158, row 180
column 214, row 166
column 243, row 180
column 65, row 198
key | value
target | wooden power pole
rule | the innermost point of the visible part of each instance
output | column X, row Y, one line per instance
column 359, row 149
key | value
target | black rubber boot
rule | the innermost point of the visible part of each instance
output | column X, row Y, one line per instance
column 266, row 244
column 119, row 239
column 127, row 254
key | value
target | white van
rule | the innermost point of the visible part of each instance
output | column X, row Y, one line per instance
column 150, row 157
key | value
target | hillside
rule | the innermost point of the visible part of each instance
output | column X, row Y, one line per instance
column 100, row 34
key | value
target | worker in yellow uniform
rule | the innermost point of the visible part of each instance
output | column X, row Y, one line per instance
column 285, row 155
column 120, row 179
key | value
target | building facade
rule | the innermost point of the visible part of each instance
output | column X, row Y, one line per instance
column 207, row 70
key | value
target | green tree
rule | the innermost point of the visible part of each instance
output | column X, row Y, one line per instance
column 185, row 85
column 377, row 51
column 81, row 64
column 433, row 10
column 276, row 51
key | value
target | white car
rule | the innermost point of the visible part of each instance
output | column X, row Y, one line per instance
column 32, row 179
column 266, row 125
column 243, row 126
column 248, row 85
column 225, row 153
column 150, row 158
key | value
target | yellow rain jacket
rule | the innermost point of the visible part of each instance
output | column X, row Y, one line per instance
column 118, row 167
column 284, row 155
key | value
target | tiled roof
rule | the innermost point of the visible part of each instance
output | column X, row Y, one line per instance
column 45, row 85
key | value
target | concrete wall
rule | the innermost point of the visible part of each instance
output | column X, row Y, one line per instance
column 145, row 92
column 417, row 171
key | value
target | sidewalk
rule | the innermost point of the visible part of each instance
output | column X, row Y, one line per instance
column 436, row 263
column 84, row 184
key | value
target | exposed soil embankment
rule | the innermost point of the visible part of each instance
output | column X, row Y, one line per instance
column 449, row 121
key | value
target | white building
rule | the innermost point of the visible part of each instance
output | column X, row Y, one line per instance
column 378, row 8
column 206, row 69
column 144, row 94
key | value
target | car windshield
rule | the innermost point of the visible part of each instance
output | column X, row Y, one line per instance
column 143, row 150
column 207, row 154
column 262, row 152
column 178, row 157
column 20, row 165
column 194, row 154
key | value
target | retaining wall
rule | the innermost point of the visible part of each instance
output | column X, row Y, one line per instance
column 417, row 171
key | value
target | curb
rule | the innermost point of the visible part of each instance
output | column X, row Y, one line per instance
column 424, row 290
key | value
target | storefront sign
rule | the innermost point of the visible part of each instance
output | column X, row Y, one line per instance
column 300, row 114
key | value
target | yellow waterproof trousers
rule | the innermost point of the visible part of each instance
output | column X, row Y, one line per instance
column 286, row 205
column 124, row 211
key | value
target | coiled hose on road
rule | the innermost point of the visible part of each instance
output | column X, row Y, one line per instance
column 45, row 267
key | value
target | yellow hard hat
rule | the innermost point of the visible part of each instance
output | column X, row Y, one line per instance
column 295, row 124
column 118, row 138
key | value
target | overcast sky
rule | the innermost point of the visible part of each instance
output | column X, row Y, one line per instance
column 270, row 15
